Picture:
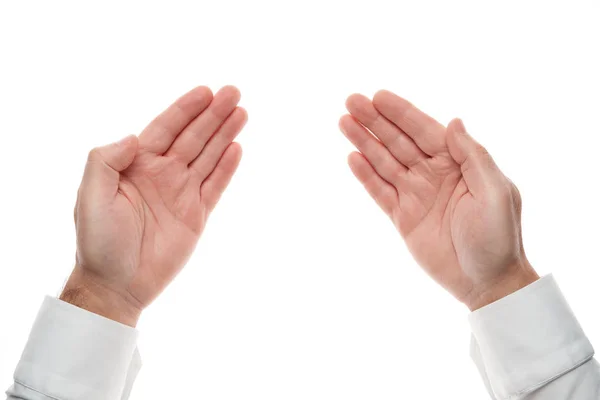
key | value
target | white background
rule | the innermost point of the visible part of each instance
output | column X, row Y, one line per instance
column 300, row 287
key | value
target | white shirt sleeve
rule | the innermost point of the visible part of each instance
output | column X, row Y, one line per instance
column 529, row 345
column 73, row 354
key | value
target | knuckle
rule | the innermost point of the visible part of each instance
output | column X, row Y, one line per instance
column 94, row 154
column 515, row 190
column 506, row 194
column 481, row 151
column 516, row 195
column 498, row 193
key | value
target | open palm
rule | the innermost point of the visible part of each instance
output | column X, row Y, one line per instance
column 458, row 214
column 144, row 202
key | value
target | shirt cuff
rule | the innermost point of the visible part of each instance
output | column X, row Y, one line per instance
column 528, row 338
column 75, row 354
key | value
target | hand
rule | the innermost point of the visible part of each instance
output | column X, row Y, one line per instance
column 143, row 202
column 458, row 214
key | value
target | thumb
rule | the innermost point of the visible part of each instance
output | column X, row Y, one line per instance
column 104, row 164
column 478, row 168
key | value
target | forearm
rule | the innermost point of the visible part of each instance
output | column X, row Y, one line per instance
column 86, row 292
column 513, row 279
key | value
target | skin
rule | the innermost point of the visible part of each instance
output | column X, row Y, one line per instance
column 456, row 211
column 144, row 202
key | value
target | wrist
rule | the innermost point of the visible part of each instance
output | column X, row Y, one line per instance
column 86, row 292
column 516, row 278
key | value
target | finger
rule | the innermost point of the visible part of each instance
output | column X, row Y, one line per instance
column 477, row 166
column 398, row 143
column 385, row 164
column 214, row 186
column 212, row 152
column 425, row 131
column 158, row 136
column 382, row 192
column 102, row 171
column 195, row 136
column 76, row 205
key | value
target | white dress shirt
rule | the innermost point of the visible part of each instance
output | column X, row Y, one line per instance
column 73, row 354
column 527, row 345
